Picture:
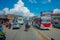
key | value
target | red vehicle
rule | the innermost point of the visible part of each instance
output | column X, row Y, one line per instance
column 46, row 22
column 43, row 22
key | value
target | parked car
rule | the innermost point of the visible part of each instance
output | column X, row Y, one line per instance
column 56, row 24
column 56, row 21
column 2, row 36
column 16, row 25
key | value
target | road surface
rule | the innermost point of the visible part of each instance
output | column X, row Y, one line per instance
column 53, row 33
column 20, row 34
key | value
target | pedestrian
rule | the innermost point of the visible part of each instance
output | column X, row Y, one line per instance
column 27, row 26
column 9, row 25
column 6, row 24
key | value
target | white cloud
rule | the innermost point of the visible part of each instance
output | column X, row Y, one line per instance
column 19, row 9
column 6, row 11
column 56, row 11
column 32, row 1
column 1, row 12
column 49, row 0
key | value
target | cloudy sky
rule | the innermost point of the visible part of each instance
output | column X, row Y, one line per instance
column 28, row 7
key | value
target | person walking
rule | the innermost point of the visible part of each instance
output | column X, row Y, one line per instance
column 9, row 25
column 27, row 26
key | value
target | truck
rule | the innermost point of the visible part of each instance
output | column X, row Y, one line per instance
column 46, row 22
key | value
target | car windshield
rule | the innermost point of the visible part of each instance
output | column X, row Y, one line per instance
column 46, row 21
column 20, row 19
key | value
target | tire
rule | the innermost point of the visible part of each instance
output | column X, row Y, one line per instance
column 53, row 25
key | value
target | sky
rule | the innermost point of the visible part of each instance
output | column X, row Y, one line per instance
column 28, row 7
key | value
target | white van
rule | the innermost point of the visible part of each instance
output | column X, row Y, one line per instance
column 20, row 20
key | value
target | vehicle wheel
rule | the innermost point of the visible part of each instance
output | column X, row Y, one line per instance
column 55, row 26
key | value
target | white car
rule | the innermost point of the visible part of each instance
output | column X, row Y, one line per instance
column 15, row 25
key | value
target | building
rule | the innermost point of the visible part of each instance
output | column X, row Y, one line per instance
column 10, row 17
column 53, row 15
